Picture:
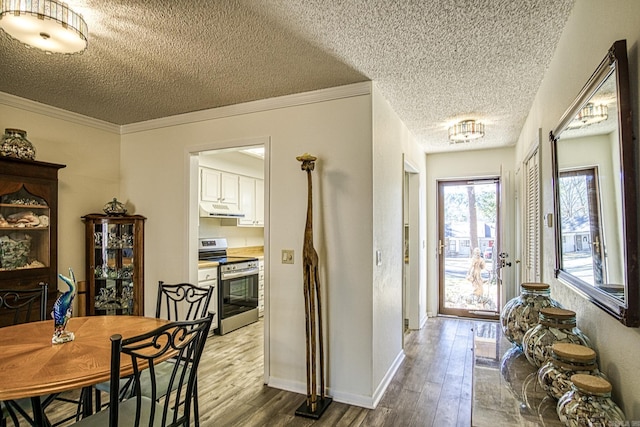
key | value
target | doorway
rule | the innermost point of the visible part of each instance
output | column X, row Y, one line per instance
column 412, row 293
column 468, row 252
column 582, row 251
column 246, row 162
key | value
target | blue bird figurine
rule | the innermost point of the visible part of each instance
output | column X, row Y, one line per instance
column 62, row 310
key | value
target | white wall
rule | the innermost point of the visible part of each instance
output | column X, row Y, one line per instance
column 90, row 179
column 590, row 31
column 391, row 140
column 339, row 133
column 466, row 164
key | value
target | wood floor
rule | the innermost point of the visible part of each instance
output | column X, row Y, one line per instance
column 431, row 388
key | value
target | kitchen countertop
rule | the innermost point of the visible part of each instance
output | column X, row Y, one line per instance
column 248, row 251
column 207, row 264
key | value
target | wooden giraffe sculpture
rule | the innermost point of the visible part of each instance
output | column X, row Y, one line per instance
column 314, row 405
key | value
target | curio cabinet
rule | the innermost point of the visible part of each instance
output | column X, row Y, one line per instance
column 115, row 264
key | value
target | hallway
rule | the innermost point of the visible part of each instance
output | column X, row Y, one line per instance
column 431, row 388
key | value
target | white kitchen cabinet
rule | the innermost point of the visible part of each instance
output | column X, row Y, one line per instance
column 251, row 202
column 208, row 277
column 220, row 187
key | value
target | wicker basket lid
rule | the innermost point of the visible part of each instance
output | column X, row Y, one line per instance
column 530, row 286
column 591, row 383
column 557, row 313
column 573, row 351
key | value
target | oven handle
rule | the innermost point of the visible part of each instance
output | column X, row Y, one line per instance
column 235, row 274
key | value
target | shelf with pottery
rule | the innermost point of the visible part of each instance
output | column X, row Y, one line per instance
column 505, row 384
column 28, row 225
column 538, row 368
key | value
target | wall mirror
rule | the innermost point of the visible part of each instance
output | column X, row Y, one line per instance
column 594, row 183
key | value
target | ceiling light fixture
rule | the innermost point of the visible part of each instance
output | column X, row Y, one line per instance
column 44, row 24
column 590, row 114
column 466, row 131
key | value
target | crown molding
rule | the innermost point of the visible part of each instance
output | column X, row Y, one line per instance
column 321, row 95
column 56, row 113
column 329, row 94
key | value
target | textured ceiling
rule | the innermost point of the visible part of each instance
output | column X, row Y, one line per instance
column 435, row 61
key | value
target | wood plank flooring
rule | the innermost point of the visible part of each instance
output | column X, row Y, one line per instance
column 431, row 388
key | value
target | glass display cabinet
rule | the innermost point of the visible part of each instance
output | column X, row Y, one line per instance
column 115, row 264
column 28, row 226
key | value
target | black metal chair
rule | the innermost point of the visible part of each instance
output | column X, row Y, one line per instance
column 179, row 302
column 170, row 403
column 191, row 300
column 21, row 306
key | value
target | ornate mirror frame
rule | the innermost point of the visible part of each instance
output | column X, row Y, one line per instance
column 618, row 293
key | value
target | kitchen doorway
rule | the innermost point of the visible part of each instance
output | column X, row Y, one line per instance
column 229, row 199
column 469, row 256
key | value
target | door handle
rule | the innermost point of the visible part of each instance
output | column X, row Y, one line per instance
column 440, row 247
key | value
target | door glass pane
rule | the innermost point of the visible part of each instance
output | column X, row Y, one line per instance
column 114, row 254
column 580, row 225
column 469, row 251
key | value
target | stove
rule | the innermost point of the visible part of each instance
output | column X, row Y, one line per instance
column 237, row 284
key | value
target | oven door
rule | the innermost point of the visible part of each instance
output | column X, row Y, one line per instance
column 238, row 293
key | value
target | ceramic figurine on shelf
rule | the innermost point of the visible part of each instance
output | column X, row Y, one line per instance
column 62, row 310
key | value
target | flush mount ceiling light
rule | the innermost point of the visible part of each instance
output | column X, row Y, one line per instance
column 590, row 114
column 466, row 131
column 47, row 25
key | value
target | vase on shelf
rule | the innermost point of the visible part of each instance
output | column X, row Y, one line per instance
column 15, row 144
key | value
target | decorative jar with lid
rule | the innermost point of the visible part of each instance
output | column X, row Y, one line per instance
column 555, row 325
column 15, row 144
column 566, row 360
column 589, row 403
column 521, row 313
column 115, row 208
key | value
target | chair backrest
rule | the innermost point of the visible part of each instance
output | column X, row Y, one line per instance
column 23, row 305
column 181, row 340
column 183, row 301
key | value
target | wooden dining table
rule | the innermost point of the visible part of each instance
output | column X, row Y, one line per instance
column 31, row 367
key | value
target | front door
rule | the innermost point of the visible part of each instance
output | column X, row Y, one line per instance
column 468, row 238
column 582, row 255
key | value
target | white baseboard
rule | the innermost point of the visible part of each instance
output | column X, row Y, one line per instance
column 369, row 402
column 391, row 372
column 423, row 321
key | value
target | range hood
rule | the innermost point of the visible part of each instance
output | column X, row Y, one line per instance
column 219, row 210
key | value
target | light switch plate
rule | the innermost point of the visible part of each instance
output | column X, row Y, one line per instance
column 287, row 256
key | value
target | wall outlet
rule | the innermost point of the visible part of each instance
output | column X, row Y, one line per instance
column 287, row 256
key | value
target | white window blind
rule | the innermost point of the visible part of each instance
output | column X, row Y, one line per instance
column 531, row 199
